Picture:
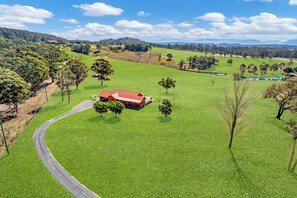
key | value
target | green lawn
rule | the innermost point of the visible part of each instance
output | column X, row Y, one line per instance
column 223, row 66
column 142, row 154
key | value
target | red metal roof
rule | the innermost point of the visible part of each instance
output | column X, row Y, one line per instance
column 135, row 97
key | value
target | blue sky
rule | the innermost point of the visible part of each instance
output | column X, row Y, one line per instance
column 153, row 20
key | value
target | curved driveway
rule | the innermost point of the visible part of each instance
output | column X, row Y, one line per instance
column 69, row 182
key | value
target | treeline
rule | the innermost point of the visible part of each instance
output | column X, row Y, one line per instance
column 198, row 62
column 81, row 48
column 28, row 36
column 24, row 67
column 252, row 51
column 137, row 46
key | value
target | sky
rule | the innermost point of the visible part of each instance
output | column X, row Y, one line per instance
column 154, row 20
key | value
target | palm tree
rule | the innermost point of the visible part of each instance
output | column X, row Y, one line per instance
column 167, row 83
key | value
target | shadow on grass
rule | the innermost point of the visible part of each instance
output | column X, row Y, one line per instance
column 97, row 119
column 164, row 119
column 95, row 87
column 4, row 155
column 246, row 183
column 112, row 120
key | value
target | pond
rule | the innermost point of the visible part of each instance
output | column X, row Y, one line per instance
column 273, row 79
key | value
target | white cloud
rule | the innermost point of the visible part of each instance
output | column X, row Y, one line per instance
column 212, row 16
column 186, row 25
column 16, row 16
column 132, row 24
column 99, row 9
column 143, row 14
column 264, row 26
column 72, row 21
column 293, row 2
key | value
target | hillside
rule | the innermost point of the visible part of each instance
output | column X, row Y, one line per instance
column 121, row 40
column 29, row 36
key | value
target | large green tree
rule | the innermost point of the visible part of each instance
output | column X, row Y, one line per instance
column 166, row 107
column 101, row 107
column 103, row 69
column 79, row 69
column 167, row 83
column 284, row 93
column 116, row 107
column 13, row 88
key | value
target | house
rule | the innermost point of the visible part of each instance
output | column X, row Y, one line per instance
column 129, row 99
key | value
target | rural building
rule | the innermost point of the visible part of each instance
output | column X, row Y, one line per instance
column 130, row 99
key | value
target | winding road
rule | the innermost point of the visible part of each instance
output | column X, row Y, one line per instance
column 68, row 181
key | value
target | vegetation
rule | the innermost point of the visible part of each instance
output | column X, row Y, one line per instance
column 244, row 51
column 169, row 56
column 291, row 127
column 283, row 93
column 81, row 48
column 79, row 69
column 116, row 107
column 103, row 70
column 235, row 107
column 167, row 83
column 137, row 47
column 65, row 78
column 13, row 89
column 28, row 36
column 166, row 107
column 201, row 63
column 101, row 107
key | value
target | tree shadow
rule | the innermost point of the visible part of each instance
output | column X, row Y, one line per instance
column 98, row 118
column 246, row 183
column 164, row 119
column 3, row 155
column 112, row 120
column 96, row 87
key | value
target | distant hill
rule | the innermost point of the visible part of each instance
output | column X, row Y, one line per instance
column 8, row 33
column 121, row 40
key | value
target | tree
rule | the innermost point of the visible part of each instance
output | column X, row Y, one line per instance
column 167, row 83
column 274, row 67
column 166, row 107
column 65, row 78
column 291, row 127
column 79, row 69
column 116, row 107
column 103, row 70
column 169, row 56
column 230, row 61
column 242, row 69
column 13, row 88
column 263, row 69
column 235, row 106
column 100, row 107
column 283, row 93
column 181, row 64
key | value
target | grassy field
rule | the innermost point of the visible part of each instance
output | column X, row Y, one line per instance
column 223, row 66
column 142, row 154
